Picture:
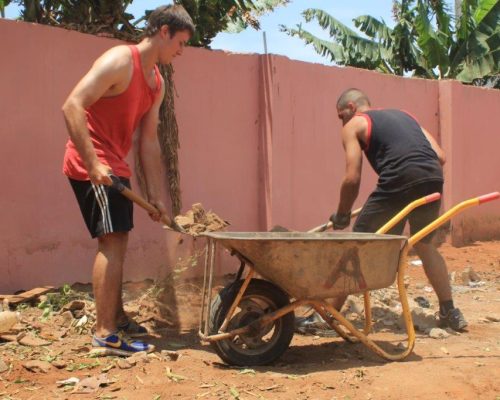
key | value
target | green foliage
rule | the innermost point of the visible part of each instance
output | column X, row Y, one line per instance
column 103, row 17
column 56, row 301
column 426, row 40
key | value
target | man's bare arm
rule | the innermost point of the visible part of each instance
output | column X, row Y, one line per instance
column 435, row 146
column 150, row 154
column 105, row 75
column 354, row 161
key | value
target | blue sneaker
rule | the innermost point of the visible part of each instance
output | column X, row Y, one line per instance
column 133, row 329
column 118, row 344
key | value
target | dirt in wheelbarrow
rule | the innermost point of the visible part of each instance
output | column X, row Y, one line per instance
column 46, row 356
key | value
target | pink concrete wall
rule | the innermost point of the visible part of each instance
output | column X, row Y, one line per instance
column 471, row 134
column 232, row 127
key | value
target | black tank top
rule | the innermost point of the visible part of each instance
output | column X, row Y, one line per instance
column 398, row 151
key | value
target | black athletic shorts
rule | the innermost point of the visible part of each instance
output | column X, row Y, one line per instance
column 381, row 207
column 104, row 209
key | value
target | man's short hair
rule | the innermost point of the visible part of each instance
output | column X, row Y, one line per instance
column 353, row 95
column 174, row 16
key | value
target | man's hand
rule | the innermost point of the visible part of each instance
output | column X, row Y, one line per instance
column 340, row 221
column 99, row 174
column 162, row 210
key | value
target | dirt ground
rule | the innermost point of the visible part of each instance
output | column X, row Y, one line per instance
column 461, row 366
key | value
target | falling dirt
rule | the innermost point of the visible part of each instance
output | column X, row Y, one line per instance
column 451, row 366
column 197, row 221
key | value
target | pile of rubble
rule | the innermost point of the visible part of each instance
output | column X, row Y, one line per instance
column 197, row 221
column 387, row 309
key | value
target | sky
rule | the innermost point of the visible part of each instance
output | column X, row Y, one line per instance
column 251, row 41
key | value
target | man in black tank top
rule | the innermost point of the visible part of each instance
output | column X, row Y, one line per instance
column 408, row 162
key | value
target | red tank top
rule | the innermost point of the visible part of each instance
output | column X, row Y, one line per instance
column 112, row 122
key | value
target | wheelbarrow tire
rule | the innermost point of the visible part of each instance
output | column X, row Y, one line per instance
column 283, row 328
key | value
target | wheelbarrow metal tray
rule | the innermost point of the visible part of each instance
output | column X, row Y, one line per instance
column 319, row 265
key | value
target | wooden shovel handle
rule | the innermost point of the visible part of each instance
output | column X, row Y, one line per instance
column 140, row 201
column 328, row 225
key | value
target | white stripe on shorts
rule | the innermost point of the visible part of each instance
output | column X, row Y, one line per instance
column 102, row 200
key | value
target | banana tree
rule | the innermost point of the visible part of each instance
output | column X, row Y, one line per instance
column 425, row 41
column 379, row 47
column 467, row 51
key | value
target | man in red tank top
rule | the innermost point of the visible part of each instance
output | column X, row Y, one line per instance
column 121, row 94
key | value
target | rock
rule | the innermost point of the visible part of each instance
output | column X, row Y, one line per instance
column 437, row 333
column 464, row 278
column 468, row 275
column 493, row 318
column 74, row 305
column 423, row 319
column 355, row 304
column 89, row 385
column 428, row 289
column 43, row 298
column 473, row 275
column 76, row 308
column 131, row 360
column 50, row 334
column 352, row 317
column 8, row 338
column 68, row 382
column 452, row 276
column 82, row 321
column 81, row 349
column 3, row 366
column 32, row 341
column 124, row 364
column 422, row 302
column 37, row 366
column 170, row 355
column 138, row 357
column 59, row 364
column 67, row 317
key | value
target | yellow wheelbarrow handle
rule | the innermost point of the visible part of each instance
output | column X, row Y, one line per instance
column 449, row 214
column 408, row 209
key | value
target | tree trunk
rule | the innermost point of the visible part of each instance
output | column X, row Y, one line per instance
column 168, row 135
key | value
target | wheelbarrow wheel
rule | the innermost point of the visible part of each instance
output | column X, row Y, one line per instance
column 259, row 346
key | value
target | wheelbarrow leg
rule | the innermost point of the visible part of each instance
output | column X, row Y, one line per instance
column 237, row 299
column 363, row 338
column 384, row 229
column 207, row 286
column 319, row 308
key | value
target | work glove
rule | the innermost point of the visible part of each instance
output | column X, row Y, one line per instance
column 340, row 221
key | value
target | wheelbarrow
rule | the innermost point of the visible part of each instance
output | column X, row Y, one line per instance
column 252, row 321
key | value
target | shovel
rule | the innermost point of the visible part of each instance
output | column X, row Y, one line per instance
column 329, row 224
column 140, row 201
column 320, row 228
